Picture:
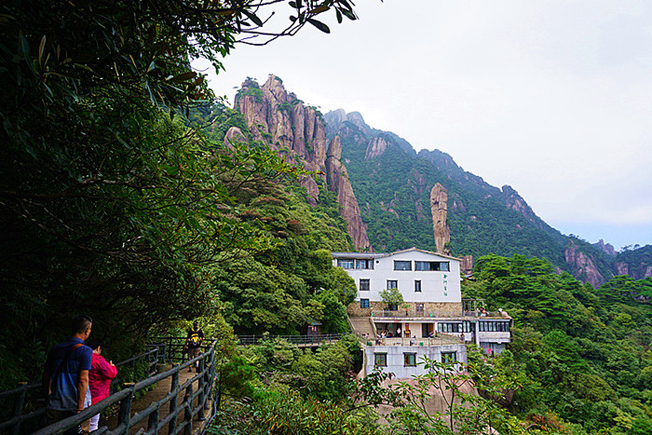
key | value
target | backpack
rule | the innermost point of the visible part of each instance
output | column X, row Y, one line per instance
column 194, row 337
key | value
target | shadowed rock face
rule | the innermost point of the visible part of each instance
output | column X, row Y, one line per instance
column 283, row 122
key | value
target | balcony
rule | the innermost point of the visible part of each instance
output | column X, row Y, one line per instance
column 414, row 314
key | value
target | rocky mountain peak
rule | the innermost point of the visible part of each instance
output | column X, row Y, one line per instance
column 607, row 248
column 282, row 121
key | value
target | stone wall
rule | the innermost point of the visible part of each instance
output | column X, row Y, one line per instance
column 438, row 309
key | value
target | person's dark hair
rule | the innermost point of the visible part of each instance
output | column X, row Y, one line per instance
column 94, row 343
column 81, row 323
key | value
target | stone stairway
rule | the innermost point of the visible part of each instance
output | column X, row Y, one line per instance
column 362, row 326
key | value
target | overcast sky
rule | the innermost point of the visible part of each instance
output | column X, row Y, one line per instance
column 553, row 98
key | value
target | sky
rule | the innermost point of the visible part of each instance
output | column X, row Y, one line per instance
column 553, row 98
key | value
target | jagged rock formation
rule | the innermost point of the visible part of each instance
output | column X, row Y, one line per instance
column 584, row 266
column 283, row 122
column 338, row 181
column 439, row 210
column 607, row 248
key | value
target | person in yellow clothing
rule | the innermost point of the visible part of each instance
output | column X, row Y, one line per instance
column 193, row 342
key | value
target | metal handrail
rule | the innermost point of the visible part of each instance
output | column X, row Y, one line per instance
column 294, row 339
column 205, row 377
column 13, row 425
column 433, row 314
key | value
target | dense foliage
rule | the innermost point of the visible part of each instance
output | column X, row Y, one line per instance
column 584, row 353
column 109, row 204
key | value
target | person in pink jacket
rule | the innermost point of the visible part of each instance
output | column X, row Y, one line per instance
column 102, row 371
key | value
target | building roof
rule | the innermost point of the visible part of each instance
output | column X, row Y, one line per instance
column 366, row 255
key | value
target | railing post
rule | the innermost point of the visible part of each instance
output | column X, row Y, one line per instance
column 188, row 410
column 152, row 422
column 124, row 414
column 174, row 387
column 202, row 381
column 19, row 405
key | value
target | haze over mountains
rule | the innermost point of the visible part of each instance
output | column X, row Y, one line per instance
column 394, row 198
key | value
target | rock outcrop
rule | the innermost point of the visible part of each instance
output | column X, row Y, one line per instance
column 607, row 248
column 377, row 146
column 584, row 267
column 466, row 266
column 338, row 181
column 439, row 210
column 286, row 125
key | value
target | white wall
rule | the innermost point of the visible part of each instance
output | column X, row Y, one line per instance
column 396, row 360
column 436, row 286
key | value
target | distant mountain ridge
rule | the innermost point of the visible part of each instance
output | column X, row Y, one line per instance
column 385, row 190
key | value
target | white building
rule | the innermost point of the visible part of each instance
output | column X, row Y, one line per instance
column 433, row 315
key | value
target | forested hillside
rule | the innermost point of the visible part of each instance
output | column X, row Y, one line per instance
column 582, row 354
column 392, row 184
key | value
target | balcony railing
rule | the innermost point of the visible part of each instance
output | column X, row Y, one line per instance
column 433, row 314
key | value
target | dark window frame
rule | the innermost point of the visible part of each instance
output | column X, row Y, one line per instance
column 342, row 261
column 432, row 266
column 405, row 264
column 449, row 357
column 409, row 359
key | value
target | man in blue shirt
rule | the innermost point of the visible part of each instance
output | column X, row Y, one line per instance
column 65, row 378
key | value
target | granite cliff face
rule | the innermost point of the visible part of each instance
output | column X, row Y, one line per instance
column 584, row 266
column 636, row 262
column 439, row 210
column 297, row 131
column 338, row 181
column 376, row 147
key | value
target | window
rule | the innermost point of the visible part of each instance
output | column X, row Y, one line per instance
column 448, row 357
column 494, row 326
column 402, row 265
column 410, row 359
column 392, row 283
column 364, row 284
column 364, row 303
column 417, row 286
column 419, row 308
column 345, row 263
column 442, row 266
column 380, row 360
column 364, row 264
column 449, row 327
